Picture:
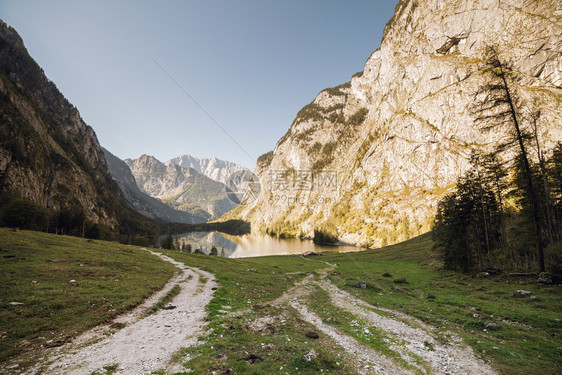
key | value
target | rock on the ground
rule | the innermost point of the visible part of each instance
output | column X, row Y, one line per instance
column 491, row 326
column 310, row 355
column 521, row 293
column 545, row 278
column 312, row 335
column 360, row 284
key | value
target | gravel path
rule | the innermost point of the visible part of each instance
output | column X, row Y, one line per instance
column 367, row 360
column 444, row 358
column 411, row 338
column 145, row 344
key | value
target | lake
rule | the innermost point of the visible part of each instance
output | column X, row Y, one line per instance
column 254, row 246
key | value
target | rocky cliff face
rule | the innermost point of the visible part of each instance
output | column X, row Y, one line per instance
column 400, row 133
column 145, row 204
column 182, row 188
column 215, row 169
column 47, row 153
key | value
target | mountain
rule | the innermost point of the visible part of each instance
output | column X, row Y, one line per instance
column 143, row 203
column 372, row 157
column 182, row 188
column 215, row 169
column 48, row 155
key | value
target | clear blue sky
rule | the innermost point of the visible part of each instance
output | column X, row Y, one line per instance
column 250, row 64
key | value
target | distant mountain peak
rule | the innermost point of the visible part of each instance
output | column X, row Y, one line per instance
column 142, row 202
column 182, row 187
column 214, row 168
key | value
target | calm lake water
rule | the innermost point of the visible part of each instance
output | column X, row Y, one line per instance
column 255, row 246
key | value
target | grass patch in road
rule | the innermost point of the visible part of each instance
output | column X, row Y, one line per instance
column 359, row 329
column 107, row 370
column 36, row 269
column 269, row 341
column 165, row 300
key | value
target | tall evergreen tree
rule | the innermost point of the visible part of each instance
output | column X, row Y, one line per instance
column 498, row 109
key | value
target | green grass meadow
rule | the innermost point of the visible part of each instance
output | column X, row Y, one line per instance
column 249, row 334
column 414, row 282
column 38, row 303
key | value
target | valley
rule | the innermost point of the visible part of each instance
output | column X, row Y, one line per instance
column 407, row 221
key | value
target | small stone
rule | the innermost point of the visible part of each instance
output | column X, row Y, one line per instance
column 521, row 293
column 312, row 335
column 492, row 326
column 310, row 254
column 545, row 278
column 310, row 355
column 360, row 284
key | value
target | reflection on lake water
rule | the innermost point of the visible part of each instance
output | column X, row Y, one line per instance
column 254, row 246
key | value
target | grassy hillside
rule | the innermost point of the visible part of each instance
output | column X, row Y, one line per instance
column 405, row 277
column 36, row 269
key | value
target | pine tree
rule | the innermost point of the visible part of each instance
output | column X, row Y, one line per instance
column 467, row 223
column 214, row 251
column 167, row 242
column 496, row 176
column 499, row 110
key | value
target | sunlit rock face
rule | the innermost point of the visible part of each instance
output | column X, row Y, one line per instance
column 398, row 160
